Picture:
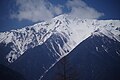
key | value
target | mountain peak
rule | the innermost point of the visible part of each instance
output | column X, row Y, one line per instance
column 62, row 16
column 75, row 30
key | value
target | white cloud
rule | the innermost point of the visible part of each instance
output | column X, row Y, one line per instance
column 41, row 10
column 35, row 10
column 82, row 10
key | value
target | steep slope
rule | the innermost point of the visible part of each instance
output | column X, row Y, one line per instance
column 8, row 74
column 23, row 39
column 48, row 42
column 75, row 30
column 96, row 58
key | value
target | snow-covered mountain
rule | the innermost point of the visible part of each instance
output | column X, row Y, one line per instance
column 72, row 29
column 95, row 58
column 60, row 35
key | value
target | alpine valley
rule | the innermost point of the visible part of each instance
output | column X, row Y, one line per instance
column 37, row 52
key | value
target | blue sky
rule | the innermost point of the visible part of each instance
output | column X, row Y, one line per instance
column 20, row 13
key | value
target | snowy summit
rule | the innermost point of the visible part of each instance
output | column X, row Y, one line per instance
column 71, row 30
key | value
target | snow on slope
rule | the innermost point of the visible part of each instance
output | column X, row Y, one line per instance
column 73, row 29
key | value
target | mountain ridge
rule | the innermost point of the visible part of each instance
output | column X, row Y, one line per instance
column 59, row 36
column 35, row 35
